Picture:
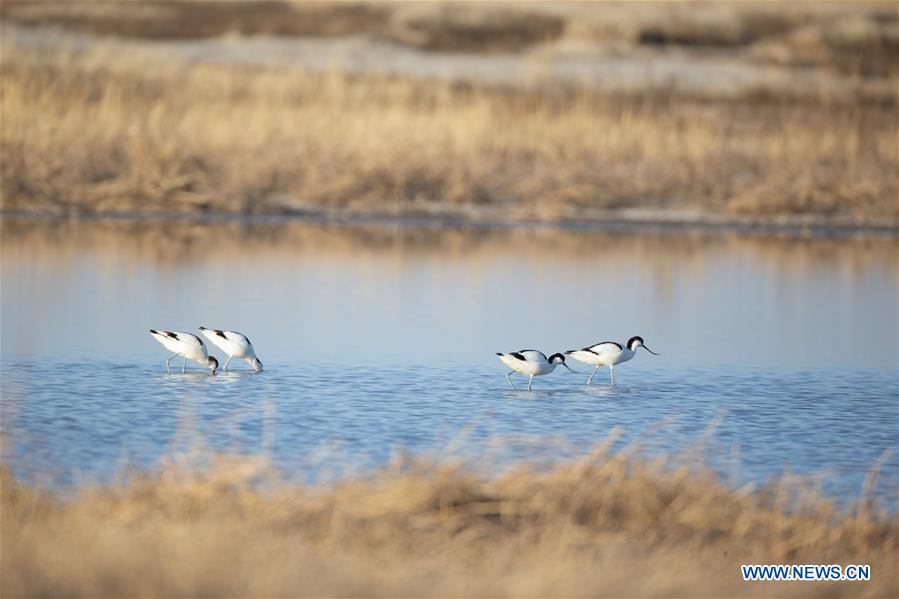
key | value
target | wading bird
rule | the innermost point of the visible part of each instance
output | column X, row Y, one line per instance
column 186, row 345
column 608, row 353
column 530, row 362
column 235, row 344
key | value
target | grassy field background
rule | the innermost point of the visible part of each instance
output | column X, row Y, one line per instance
column 857, row 38
column 95, row 129
column 605, row 525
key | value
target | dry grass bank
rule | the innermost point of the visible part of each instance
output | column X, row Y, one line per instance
column 104, row 130
column 607, row 525
column 97, row 131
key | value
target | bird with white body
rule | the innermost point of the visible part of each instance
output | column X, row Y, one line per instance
column 235, row 344
column 608, row 353
column 186, row 345
column 530, row 362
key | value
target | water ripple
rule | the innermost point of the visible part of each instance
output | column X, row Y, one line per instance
column 70, row 421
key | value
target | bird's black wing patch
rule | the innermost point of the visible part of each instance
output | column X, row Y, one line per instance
column 618, row 345
column 517, row 356
column 220, row 334
column 170, row 335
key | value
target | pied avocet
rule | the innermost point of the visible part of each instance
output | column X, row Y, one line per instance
column 530, row 362
column 235, row 344
column 608, row 353
column 186, row 345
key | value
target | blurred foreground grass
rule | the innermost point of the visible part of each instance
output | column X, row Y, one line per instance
column 604, row 525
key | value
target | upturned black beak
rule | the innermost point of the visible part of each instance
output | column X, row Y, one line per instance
column 650, row 351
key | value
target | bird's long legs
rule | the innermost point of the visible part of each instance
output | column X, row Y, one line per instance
column 508, row 378
column 184, row 366
column 172, row 357
column 228, row 361
column 530, row 380
column 592, row 373
column 612, row 371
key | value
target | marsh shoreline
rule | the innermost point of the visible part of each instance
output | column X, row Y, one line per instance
column 628, row 220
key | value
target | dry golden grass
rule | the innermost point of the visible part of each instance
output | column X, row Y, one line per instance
column 606, row 525
column 98, row 131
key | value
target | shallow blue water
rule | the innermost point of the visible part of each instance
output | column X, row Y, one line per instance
column 380, row 339
column 69, row 422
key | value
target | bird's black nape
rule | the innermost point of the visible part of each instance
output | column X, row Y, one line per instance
column 632, row 340
column 560, row 356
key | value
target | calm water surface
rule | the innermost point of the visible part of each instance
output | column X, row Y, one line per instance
column 379, row 339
